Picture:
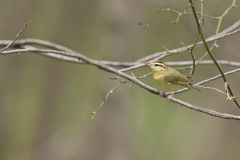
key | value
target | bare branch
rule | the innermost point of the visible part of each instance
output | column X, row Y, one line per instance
column 26, row 43
column 203, row 110
column 130, row 78
column 204, row 62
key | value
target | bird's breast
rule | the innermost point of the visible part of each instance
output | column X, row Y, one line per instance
column 158, row 77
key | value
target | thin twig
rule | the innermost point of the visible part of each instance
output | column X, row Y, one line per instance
column 178, row 13
column 218, row 90
column 93, row 113
column 193, row 58
column 16, row 38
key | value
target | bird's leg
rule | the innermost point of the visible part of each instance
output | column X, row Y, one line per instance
column 164, row 94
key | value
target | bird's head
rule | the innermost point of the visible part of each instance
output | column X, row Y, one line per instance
column 157, row 67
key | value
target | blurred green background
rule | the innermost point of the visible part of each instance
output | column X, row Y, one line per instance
column 42, row 99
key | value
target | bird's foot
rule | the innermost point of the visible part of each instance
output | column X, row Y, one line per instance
column 167, row 94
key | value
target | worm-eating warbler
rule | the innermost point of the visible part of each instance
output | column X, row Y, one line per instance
column 167, row 77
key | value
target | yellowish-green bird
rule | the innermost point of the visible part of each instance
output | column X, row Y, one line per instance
column 169, row 78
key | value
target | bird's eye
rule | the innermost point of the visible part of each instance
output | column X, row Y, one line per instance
column 160, row 65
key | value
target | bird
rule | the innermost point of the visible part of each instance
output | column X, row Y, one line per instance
column 169, row 79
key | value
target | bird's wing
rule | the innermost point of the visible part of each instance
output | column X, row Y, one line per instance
column 176, row 79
